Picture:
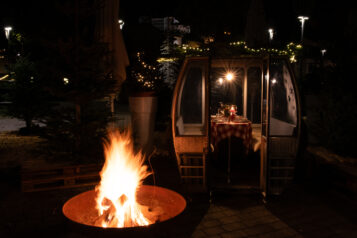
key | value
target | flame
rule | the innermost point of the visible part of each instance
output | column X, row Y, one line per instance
column 122, row 174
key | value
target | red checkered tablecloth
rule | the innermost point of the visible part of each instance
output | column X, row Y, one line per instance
column 223, row 130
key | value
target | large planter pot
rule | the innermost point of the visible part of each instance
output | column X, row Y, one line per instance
column 143, row 107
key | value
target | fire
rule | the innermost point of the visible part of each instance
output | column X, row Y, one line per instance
column 121, row 175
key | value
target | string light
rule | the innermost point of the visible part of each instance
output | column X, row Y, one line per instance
column 150, row 69
column 291, row 49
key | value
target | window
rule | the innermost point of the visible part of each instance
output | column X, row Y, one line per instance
column 227, row 87
column 283, row 113
column 191, row 102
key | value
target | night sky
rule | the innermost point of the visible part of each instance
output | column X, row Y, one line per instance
column 329, row 20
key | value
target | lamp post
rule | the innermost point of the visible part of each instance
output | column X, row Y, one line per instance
column 7, row 32
column 323, row 52
column 302, row 19
column 271, row 35
column 121, row 24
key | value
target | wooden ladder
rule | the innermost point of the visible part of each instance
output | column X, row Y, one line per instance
column 192, row 168
column 281, row 163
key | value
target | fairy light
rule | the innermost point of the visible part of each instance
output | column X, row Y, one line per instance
column 290, row 50
column 140, row 78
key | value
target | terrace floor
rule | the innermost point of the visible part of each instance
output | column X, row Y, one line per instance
column 306, row 209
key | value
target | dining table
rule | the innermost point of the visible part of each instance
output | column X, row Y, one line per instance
column 223, row 127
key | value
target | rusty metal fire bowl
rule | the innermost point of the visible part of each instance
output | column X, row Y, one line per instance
column 166, row 203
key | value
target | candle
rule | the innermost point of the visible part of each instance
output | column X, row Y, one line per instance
column 232, row 110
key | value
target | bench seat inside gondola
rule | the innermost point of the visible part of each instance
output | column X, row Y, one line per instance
column 189, row 129
column 281, row 128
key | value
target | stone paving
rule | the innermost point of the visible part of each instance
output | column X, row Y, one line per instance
column 256, row 221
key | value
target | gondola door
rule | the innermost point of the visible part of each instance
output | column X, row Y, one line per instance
column 265, row 127
column 189, row 116
column 280, row 126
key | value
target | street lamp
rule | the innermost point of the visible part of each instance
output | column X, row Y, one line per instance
column 302, row 19
column 271, row 34
column 323, row 52
column 121, row 24
column 7, row 31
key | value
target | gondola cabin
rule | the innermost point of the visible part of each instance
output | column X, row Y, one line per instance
column 236, row 122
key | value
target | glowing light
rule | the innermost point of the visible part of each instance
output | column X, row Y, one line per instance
column 4, row 77
column 166, row 60
column 220, row 81
column 121, row 24
column 229, row 76
column 65, row 80
column 323, row 52
column 271, row 33
column 302, row 19
column 292, row 59
column 273, row 81
column 7, row 31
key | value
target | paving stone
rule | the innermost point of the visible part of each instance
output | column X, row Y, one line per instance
column 286, row 232
column 229, row 219
column 252, row 222
column 198, row 234
column 233, row 226
column 234, row 234
column 230, row 212
column 225, row 209
column 215, row 208
column 262, row 229
column 258, row 214
column 308, row 227
column 214, row 230
column 253, row 209
column 278, row 225
column 258, row 230
column 211, row 223
column 217, row 215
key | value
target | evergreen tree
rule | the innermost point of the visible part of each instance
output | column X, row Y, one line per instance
column 78, row 71
column 28, row 97
column 168, row 64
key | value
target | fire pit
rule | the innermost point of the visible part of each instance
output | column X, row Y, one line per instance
column 161, row 203
column 120, row 203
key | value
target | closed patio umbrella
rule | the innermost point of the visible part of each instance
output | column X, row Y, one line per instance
column 108, row 31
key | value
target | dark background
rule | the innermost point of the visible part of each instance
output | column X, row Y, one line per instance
column 329, row 21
